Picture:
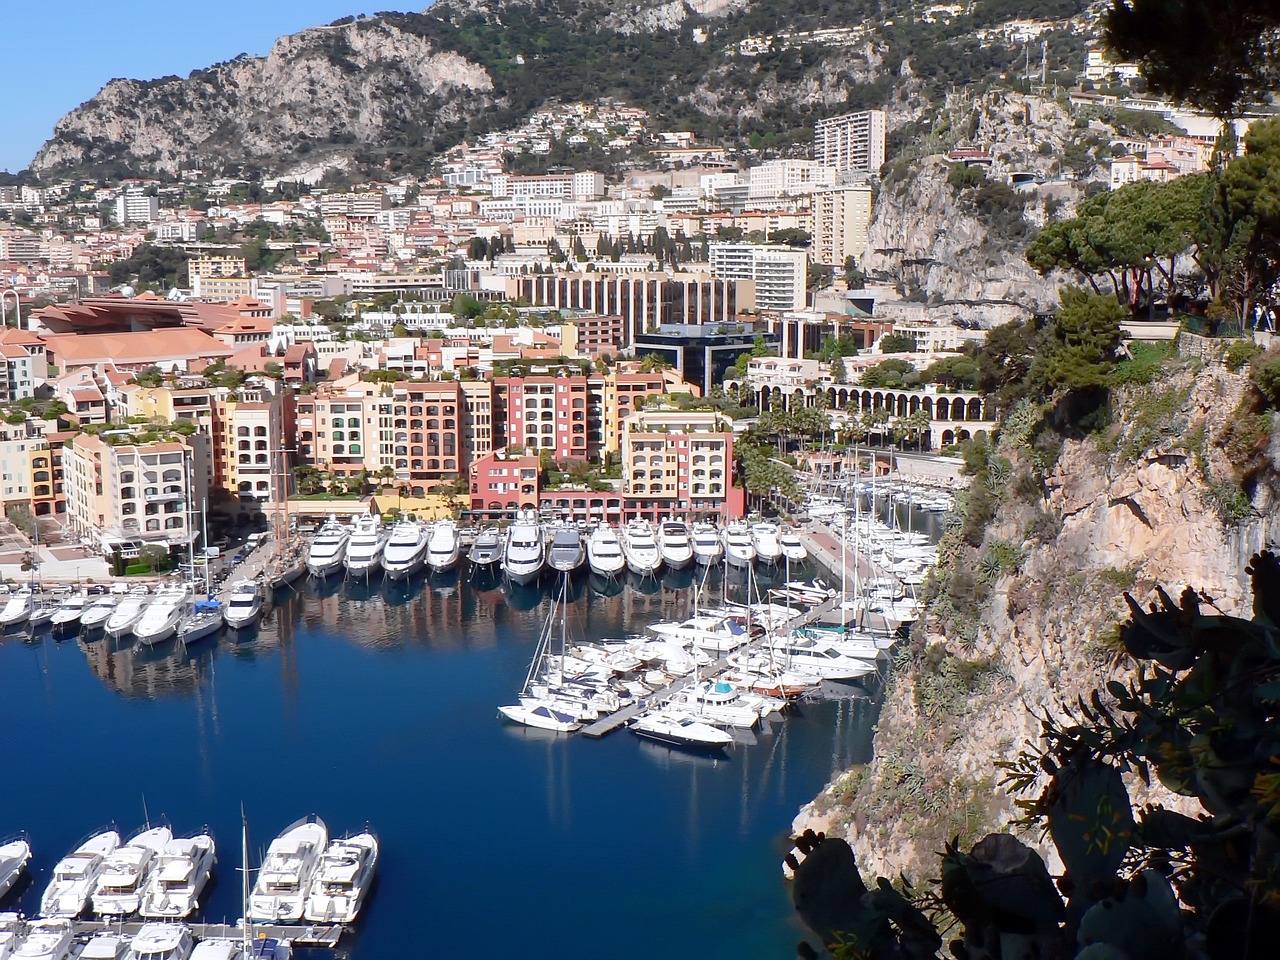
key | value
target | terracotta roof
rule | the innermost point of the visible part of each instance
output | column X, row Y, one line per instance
column 150, row 346
column 12, row 335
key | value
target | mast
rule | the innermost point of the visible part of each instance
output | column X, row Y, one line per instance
column 247, row 924
column 204, row 539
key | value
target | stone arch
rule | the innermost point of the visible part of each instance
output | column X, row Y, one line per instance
column 948, row 437
column 831, row 397
column 975, row 409
column 927, row 403
column 914, row 404
column 964, row 435
column 864, row 402
column 943, row 411
column 902, row 405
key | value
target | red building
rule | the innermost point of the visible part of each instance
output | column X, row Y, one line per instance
column 547, row 413
column 502, row 484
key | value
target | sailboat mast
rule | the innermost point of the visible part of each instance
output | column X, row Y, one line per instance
column 204, row 539
column 247, row 924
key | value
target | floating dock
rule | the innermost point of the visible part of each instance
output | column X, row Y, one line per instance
column 304, row 935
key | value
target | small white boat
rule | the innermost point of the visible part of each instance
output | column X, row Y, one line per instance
column 328, row 548
column 203, row 620
column 244, row 606
column 162, row 941
column 280, row 892
column 764, row 537
column 128, row 612
column 14, row 856
column 159, row 621
column 542, row 714
column 526, row 552
column 793, row 547
column 18, row 607
column 405, row 551
column 219, row 948
column 47, row 939
column 709, row 632
column 707, row 548
column 103, row 945
column 679, row 728
column 486, row 551
column 604, row 552
column 66, row 617
column 823, row 660
column 739, row 551
column 567, row 552
column 178, row 878
column 342, row 879
column 12, row 929
column 75, row 875
column 640, row 547
column 118, row 890
column 674, row 542
column 96, row 616
column 364, row 549
column 444, row 550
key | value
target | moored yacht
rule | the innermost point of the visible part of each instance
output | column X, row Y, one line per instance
column 542, row 715
column 14, row 856
column 127, row 614
column 328, row 548
column 406, row 549
column 486, row 551
column 342, row 879
column 244, row 606
column 680, row 728
column 97, row 614
column 604, row 551
column 66, row 618
column 714, row 634
column 526, row 552
column 641, row 548
column 159, row 621
column 178, row 878
column 674, row 542
column 160, row 940
column 567, row 552
column 118, row 890
column 793, row 547
column 75, row 875
column 18, row 607
column 764, row 537
column 364, row 549
column 46, row 939
column 707, row 548
column 444, row 550
column 281, row 889
column 739, row 551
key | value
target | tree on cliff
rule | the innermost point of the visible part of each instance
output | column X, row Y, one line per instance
column 1201, row 714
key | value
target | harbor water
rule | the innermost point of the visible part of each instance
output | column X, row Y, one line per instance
column 377, row 704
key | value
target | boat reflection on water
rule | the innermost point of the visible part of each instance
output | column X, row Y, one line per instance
column 676, row 757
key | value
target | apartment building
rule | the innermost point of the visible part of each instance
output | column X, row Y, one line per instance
column 584, row 185
column 679, row 463
column 780, row 274
column 624, row 394
column 788, row 178
column 477, row 419
column 841, row 224
column 546, row 413
column 134, row 206
column 120, row 487
column 597, row 336
column 211, row 265
column 18, row 443
column 48, row 489
column 853, row 143
column 502, row 483
column 254, row 461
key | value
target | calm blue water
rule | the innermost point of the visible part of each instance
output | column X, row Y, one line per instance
column 379, row 706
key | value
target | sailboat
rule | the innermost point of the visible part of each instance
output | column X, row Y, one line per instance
column 538, row 708
column 205, row 617
column 247, row 947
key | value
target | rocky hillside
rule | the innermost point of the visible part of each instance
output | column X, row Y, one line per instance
column 392, row 91
column 1127, row 511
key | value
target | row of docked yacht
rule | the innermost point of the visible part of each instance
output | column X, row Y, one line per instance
column 304, row 875
column 399, row 550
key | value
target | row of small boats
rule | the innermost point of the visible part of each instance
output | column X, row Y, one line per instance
column 530, row 546
column 155, row 875
column 172, row 610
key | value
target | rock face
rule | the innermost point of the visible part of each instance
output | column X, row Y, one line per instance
column 319, row 90
column 1047, row 633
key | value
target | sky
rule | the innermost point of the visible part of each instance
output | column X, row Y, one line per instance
column 56, row 54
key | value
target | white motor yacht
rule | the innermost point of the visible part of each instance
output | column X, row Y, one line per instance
column 328, row 548
column 739, row 550
column 66, row 618
column 204, row 619
column 218, row 948
column 486, row 551
column 674, row 542
column 567, row 552
column 12, row 929
column 128, row 612
column 118, row 891
column 526, row 553
column 160, row 940
column 793, row 547
column 764, row 537
column 721, row 705
column 342, row 879
column 707, row 548
column 98, row 612
column 159, row 621
column 104, row 945
column 604, row 552
column 406, row 550
column 75, row 875
column 444, row 550
column 281, row 890
column 244, row 606
column 47, row 939
column 14, row 856
column 714, row 634
column 544, row 715
column 364, row 549
column 18, row 607
column 680, row 728
column 825, row 661
column 640, row 547
column 178, row 877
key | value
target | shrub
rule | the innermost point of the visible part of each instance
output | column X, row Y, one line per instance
column 1239, row 353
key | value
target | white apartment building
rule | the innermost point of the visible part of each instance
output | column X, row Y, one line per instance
column 852, row 143
column 780, row 273
column 584, row 185
column 134, row 206
column 16, row 444
column 788, row 178
column 841, row 223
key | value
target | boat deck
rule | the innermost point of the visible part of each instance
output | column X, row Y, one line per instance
column 308, row 935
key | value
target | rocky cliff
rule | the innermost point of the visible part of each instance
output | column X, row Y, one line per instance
column 1128, row 511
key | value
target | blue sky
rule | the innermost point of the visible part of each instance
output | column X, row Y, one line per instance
column 56, row 55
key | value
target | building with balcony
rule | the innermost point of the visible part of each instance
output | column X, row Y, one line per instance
column 779, row 274
column 679, row 463
column 502, row 483
column 18, row 443
column 547, row 413
column 841, row 224
column 853, row 143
